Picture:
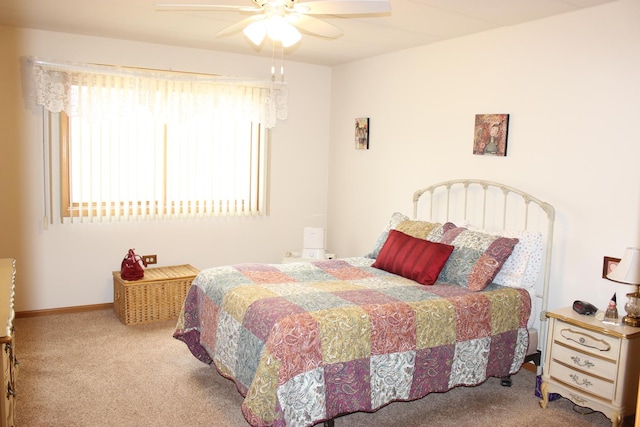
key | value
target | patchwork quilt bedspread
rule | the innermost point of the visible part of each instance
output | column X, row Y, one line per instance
column 306, row 342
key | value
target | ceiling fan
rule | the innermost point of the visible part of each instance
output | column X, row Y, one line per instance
column 281, row 20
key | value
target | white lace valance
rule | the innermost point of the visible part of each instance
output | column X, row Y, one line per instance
column 88, row 89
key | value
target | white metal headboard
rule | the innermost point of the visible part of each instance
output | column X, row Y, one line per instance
column 491, row 205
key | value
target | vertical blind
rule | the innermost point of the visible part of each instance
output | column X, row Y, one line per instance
column 152, row 144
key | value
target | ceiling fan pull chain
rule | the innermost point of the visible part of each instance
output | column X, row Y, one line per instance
column 273, row 60
column 282, row 67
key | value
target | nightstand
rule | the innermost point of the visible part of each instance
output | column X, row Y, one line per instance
column 295, row 257
column 592, row 363
column 7, row 343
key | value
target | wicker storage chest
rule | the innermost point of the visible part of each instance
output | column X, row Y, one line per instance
column 158, row 296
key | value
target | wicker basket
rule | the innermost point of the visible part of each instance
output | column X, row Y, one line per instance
column 158, row 296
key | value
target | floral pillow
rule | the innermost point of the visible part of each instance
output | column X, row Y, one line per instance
column 477, row 257
column 421, row 229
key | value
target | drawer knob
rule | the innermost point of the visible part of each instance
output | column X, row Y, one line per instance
column 577, row 399
column 585, row 364
column 585, row 382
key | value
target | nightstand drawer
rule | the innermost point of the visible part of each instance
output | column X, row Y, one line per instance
column 591, row 384
column 587, row 341
column 585, row 362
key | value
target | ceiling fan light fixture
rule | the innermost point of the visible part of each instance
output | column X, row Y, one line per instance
column 256, row 31
column 276, row 28
column 289, row 35
column 280, row 20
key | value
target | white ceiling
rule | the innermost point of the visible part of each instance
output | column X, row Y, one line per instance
column 411, row 23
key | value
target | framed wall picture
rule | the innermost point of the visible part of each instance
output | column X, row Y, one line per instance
column 362, row 133
column 608, row 265
column 490, row 137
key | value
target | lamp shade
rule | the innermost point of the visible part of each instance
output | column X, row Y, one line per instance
column 628, row 270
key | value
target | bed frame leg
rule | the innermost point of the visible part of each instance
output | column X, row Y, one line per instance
column 535, row 358
column 506, row 381
column 329, row 423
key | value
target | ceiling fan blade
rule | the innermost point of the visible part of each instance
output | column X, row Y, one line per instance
column 348, row 7
column 238, row 26
column 313, row 25
column 184, row 7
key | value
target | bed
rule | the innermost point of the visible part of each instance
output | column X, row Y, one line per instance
column 450, row 296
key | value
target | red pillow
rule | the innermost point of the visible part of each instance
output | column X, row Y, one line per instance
column 416, row 259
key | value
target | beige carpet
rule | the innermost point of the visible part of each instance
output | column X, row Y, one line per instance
column 88, row 369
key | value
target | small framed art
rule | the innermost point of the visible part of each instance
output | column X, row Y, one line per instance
column 490, row 137
column 362, row 133
column 608, row 265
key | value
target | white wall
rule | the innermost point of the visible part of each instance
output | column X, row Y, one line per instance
column 571, row 86
column 71, row 265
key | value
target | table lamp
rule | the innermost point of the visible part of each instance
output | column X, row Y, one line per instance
column 628, row 272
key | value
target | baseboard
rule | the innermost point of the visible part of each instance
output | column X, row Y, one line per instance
column 64, row 310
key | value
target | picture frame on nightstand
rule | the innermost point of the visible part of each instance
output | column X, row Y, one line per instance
column 608, row 265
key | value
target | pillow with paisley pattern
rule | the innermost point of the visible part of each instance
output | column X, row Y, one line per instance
column 477, row 257
column 522, row 268
column 421, row 229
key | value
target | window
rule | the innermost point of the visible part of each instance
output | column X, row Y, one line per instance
column 138, row 166
column 138, row 144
